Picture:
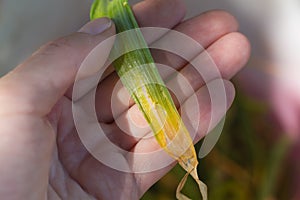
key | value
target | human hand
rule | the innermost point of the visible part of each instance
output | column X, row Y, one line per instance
column 41, row 152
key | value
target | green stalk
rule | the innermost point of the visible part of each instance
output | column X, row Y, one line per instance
column 140, row 76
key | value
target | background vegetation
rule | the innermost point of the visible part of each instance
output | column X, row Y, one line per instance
column 248, row 161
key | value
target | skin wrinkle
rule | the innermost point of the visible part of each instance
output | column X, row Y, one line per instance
column 53, row 190
column 51, row 193
column 73, row 179
column 71, row 150
column 54, row 174
column 63, row 126
column 62, row 140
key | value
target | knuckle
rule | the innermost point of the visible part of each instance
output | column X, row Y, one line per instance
column 61, row 44
column 16, row 98
column 223, row 20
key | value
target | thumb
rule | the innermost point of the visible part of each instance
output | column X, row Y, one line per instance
column 42, row 79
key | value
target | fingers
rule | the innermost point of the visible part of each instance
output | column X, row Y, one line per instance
column 182, row 85
column 159, row 13
column 148, row 146
column 205, row 29
column 202, row 70
column 194, row 75
column 236, row 52
column 52, row 69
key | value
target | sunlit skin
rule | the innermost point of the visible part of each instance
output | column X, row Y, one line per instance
column 40, row 152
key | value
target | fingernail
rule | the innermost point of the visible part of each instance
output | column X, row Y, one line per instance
column 96, row 26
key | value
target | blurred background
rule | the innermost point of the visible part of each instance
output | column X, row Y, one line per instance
column 257, row 156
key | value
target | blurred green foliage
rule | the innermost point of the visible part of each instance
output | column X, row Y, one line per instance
column 248, row 161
